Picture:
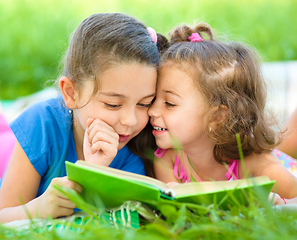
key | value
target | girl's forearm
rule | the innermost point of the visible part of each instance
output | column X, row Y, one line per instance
column 291, row 201
column 21, row 212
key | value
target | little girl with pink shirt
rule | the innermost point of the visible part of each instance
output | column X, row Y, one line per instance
column 208, row 91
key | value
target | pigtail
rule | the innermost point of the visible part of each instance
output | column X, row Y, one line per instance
column 183, row 32
column 204, row 29
column 180, row 34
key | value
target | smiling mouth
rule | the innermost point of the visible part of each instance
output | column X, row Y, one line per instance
column 159, row 129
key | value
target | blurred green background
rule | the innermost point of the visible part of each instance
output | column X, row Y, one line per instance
column 34, row 33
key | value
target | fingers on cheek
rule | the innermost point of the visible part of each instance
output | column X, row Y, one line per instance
column 96, row 124
column 110, row 137
column 99, row 145
column 104, row 146
column 90, row 134
column 99, row 125
column 101, row 136
column 90, row 121
column 94, row 133
column 116, row 136
column 102, row 124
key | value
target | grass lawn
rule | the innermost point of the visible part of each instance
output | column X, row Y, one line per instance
column 259, row 220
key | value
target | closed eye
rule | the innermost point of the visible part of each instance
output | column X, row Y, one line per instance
column 168, row 104
column 144, row 105
column 147, row 105
column 112, row 106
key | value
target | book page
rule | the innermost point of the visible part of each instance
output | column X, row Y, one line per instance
column 214, row 186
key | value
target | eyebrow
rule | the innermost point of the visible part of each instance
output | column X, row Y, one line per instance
column 172, row 92
column 112, row 94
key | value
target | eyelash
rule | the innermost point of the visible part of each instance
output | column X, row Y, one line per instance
column 117, row 106
column 144, row 105
column 113, row 106
column 168, row 104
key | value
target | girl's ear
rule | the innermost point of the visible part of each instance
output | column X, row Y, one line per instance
column 219, row 116
column 68, row 91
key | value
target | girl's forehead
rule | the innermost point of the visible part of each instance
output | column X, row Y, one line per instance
column 172, row 79
column 174, row 74
column 129, row 79
column 182, row 65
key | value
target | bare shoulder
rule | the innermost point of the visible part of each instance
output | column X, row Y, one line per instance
column 267, row 164
column 257, row 164
column 289, row 144
column 19, row 170
column 163, row 166
column 169, row 156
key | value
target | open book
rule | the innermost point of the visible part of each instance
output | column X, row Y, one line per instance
column 114, row 187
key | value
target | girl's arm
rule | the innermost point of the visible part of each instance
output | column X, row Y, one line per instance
column 20, row 185
column 289, row 144
column 267, row 164
column 163, row 167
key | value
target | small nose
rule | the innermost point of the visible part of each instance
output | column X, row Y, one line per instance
column 154, row 110
column 129, row 118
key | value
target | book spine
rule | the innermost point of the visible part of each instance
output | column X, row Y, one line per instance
column 168, row 194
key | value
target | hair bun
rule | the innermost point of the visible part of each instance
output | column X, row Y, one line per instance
column 183, row 32
column 180, row 34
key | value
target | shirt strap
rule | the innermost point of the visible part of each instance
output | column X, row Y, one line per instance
column 160, row 152
column 232, row 170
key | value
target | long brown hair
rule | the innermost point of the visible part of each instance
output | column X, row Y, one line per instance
column 103, row 40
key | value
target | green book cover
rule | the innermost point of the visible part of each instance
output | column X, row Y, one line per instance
column 113, row 187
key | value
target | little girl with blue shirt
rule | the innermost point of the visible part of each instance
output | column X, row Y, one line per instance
column 208, row 91
column 101, row 116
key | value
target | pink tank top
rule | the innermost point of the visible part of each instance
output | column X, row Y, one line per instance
column 181, row 174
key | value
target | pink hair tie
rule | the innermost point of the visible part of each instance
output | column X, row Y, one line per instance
column 152, row 33
column 195, row 37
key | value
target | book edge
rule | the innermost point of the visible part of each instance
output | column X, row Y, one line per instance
column 120, row 174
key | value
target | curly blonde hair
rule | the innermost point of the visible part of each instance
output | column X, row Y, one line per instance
column 228, row 75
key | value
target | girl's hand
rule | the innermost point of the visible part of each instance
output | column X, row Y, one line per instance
column 100, row 142
column 53, row 203
column 277, row 200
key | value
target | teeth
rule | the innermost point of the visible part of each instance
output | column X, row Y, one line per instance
column 160, row 129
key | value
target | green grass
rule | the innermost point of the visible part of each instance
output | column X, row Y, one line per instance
column 34, row 34
column 184, row 221
column 173, row 220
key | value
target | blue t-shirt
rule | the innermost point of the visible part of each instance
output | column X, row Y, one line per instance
column 45, row 133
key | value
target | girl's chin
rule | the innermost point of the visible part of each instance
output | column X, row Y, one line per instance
column 164, row 145
column 121, row 145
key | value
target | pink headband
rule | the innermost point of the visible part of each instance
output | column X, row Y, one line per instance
column 152, row 33
column 195, row 37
